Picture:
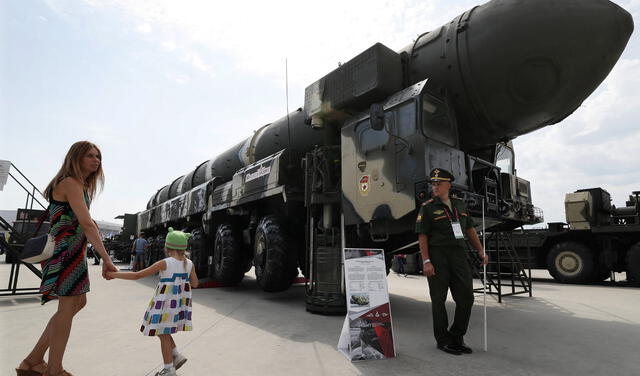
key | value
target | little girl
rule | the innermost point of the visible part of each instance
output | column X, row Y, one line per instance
column 170, row 308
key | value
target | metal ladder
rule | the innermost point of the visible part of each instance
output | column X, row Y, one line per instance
column 505, row 271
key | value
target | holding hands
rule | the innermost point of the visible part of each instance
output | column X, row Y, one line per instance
column 107, row 268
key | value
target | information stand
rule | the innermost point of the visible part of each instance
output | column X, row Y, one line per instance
column 367, row 330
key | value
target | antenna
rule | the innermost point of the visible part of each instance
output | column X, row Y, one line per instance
column 286, row 81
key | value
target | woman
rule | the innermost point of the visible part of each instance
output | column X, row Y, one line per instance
column 65, row 276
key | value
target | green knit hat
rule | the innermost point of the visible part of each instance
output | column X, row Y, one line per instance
column 176, row 239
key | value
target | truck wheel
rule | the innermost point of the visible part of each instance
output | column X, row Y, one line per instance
column 275, row 265
column 571, row 262
column 633, row 263
column 199, row 247
column 228, row 264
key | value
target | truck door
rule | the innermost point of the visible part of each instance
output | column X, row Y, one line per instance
column 376, row 174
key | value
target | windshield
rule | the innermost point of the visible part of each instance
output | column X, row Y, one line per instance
column 504, row 158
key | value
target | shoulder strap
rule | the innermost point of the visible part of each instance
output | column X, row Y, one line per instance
column 427, row 202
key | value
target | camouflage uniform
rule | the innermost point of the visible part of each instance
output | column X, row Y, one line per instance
column 452, row 271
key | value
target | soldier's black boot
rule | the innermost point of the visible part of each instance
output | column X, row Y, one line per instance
column 461, row 347
column 449, row 349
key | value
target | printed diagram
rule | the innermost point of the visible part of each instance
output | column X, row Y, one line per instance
column 360, row 300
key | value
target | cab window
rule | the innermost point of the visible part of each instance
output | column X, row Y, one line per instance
column 435, row 121
column 504, row 158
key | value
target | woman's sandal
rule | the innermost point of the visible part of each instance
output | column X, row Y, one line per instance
column 63, row 373
column 31, row 371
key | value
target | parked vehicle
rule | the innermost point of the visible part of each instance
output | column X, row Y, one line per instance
column 597, row 239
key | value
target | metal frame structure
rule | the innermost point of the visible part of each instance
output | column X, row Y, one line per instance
column 18, row 240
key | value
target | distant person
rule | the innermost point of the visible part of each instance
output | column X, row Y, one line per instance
column 91, row 252
column 137, row 251
column 441, row 225
column 65, row 275
column 402, row 261
column 170, row 308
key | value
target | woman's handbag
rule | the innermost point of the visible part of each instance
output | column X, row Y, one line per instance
column 39, row 248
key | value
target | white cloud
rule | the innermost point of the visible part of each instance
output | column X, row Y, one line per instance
column 144, row 28
column 179, row 79
column 197, row 61
column 258, row 35
column 169, row 45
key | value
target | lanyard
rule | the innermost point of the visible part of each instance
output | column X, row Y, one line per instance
column 455, row 226
column 455, row 210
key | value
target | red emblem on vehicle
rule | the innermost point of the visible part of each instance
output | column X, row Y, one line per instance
column 364, row 185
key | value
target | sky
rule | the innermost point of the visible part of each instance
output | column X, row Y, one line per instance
column 161, row 86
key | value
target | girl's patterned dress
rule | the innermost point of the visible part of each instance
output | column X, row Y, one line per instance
column 65, row 273
column 170, row 308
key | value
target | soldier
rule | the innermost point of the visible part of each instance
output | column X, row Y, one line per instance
column 441, row 224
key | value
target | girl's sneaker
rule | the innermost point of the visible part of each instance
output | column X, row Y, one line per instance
column 179, row 360
column 167, row 372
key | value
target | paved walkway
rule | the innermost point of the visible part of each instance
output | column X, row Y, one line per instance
column 562, row 330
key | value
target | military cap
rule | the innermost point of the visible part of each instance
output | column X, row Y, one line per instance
column 439, row 174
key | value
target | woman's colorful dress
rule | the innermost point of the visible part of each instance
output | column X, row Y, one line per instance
column 170, row 308
column 66, row 272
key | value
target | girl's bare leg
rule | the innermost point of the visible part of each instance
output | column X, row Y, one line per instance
column 173, row 345
column 166, row 345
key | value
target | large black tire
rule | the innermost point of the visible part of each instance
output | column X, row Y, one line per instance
column 571, row 262
column 228, row 260
column 633, row 263
column 199, row 246
column 275, row 264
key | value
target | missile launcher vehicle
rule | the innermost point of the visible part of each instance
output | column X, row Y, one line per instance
column 358, row 154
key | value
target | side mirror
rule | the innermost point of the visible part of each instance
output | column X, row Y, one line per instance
column 376, row 114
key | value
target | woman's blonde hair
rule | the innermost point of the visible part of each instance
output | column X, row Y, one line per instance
column 71, row 168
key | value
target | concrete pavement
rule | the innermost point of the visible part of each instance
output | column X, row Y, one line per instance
column 562, row 330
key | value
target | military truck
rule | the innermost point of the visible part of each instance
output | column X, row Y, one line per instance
column 351, row 167
column 597, row 239
column 119, row 245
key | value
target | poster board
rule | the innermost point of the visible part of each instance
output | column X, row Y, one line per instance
column 367, row 330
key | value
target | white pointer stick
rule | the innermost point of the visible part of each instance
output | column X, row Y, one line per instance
column 484, row 280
